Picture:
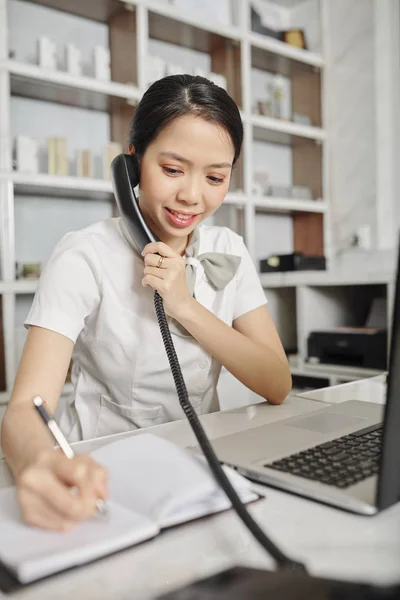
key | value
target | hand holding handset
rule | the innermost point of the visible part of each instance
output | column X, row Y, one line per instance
column 125, row 177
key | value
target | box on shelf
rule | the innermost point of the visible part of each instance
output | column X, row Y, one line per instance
column 57, row 156
column 84, row 163
column 73, row 60
column 25, row 154
column 102, row 63
column 296, row 261
column 46, row 53
column 25, row 270
column 110, row 152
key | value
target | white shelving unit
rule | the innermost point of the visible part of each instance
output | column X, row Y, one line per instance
column 234, row 50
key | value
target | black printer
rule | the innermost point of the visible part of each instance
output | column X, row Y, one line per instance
column 350, row 346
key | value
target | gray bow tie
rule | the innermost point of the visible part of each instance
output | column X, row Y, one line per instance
column 219, row 268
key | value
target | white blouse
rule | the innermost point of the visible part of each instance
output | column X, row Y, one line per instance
column 90, row 291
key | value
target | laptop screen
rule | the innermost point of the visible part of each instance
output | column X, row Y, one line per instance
column 389, row 472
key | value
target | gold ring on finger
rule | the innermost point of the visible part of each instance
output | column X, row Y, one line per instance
column 160, row 262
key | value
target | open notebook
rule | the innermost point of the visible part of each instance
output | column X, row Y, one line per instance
column 153, row 484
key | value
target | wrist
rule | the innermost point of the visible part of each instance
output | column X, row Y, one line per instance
column 185, row 310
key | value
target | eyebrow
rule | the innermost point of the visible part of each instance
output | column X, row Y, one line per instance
column 175, row 156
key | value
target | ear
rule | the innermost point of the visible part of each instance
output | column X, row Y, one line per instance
column 136, row 167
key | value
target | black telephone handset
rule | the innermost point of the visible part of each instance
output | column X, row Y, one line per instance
column 125, row 177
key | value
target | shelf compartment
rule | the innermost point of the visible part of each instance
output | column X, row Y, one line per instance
column 284, row 58
column 288, row 205
column 169, row 25
column 54, row 185
column 282, row 307
column 220, row 44
column 32, row 81
column 276, row 131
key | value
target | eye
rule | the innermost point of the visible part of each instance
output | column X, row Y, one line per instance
column 216, row 179
column 171, row 171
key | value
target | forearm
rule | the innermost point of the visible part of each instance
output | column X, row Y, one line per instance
column 23, row 437
column 256, row 365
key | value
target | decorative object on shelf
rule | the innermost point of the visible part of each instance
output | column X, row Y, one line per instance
column 102, row 63
column 57, row 159
column 218, row 79
column 84, row 163
column 46, row 53
column 279, row 191
column 260, row 183
column 302, row 192
column 73, row 60
column 264, row 107
column 301, row 119
column 278, row 97
column 110, row 152
column 156, row 68
column 294, row 37
column 296, row 261
column 25, row 154
column 27, row 270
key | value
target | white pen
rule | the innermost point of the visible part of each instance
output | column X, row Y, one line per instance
column 101, row 505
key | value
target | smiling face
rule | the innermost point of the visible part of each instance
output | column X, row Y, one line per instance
column 184, row 177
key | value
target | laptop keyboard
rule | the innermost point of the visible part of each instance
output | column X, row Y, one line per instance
column 341, row 462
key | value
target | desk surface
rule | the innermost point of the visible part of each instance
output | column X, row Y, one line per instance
column 331, row 542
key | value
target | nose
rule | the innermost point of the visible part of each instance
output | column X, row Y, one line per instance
column 190, row 190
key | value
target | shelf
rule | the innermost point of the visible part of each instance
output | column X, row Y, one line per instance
column 33, row 81
column 291, row 205
column 236, row 198
column 277, row 131
column 98, row 10
column 62, row 186
column 287, row 54
column 325, row 278
column 176, row 27
column 298, row 367
column 19, row 286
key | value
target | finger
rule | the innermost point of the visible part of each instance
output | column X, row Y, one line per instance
column 154, row 282
column 68, row 503
column 87, row 475
column 153, row 260
column 159, row 248
column 156, row 272
column 36, row 513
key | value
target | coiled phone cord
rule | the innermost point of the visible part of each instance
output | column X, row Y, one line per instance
column 282, row 560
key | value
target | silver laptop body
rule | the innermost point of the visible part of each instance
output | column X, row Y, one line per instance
column 250, row 451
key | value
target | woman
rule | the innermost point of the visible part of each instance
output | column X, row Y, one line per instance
column 95, row 303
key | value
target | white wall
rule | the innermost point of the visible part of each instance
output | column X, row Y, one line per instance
column 351, row 106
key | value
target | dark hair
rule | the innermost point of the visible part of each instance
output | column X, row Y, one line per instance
column 177, row 95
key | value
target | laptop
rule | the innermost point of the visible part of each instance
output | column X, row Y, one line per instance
column 345, row 455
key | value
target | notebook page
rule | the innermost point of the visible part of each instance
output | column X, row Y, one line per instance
column 31, row 553
column 163, row 481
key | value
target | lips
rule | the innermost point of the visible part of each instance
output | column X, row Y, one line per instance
column 180, row 219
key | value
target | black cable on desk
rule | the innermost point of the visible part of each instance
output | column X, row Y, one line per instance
column 282, row 560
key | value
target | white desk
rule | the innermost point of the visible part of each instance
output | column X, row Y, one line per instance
column 330, row 542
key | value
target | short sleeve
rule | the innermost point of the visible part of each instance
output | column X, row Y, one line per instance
column 69, row 288
column 249, row 291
